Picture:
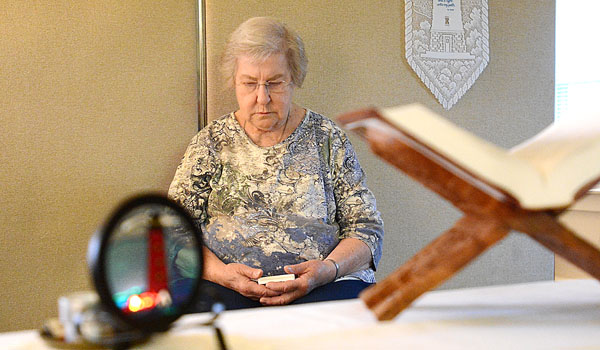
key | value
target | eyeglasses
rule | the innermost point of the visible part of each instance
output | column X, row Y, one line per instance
column 273, row 87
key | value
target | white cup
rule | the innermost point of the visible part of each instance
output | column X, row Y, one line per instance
column 70, row 311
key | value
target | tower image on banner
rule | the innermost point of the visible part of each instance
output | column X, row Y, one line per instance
column 447, row 44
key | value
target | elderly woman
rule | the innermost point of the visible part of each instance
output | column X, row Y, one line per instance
column 276, row 188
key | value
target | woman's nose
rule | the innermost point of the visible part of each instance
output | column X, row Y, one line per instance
column 262, row 94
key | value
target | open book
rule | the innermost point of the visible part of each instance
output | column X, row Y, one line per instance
column 548, row 171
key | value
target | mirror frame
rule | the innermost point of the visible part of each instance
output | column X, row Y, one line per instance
column 97, row 263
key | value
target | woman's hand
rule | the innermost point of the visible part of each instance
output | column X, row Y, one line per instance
column 238, row 277
column 351, row 255
column 242, row 279
column 309, row 275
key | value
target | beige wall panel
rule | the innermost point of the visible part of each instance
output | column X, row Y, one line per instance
column 98, row 101
column 356, row 59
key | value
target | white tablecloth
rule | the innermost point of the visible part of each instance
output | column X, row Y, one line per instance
column 539, row 315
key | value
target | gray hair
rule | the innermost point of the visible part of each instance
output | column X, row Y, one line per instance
column 259, row 38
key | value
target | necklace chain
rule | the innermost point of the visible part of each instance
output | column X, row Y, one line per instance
column 284, row 127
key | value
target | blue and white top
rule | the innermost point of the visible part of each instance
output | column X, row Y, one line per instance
column 267, row 207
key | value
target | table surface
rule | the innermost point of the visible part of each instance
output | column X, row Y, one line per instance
column 538, row 315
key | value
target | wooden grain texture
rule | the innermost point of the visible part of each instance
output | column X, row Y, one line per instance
column 548, row 231
column 490, row 214
column 439, row 260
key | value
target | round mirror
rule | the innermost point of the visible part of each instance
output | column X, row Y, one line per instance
column 146, row 262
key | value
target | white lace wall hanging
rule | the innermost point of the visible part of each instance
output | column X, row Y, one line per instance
column 447, row 44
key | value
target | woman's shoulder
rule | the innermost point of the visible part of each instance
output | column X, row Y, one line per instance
column 211, row 137
column 218, row 123
column 215, row 127
column 326, row 126
column 321, row 121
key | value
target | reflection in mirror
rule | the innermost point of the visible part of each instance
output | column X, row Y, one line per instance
column 146, row 263
column 143, row 274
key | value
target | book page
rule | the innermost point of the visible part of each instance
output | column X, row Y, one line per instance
column 558, row 141
column 566, row 152
column 544, row 172
column 478, row 156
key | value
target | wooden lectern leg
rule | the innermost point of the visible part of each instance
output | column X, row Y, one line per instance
column 435, row 263
column 546, row 229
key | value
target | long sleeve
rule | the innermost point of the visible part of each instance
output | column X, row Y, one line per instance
column 356, row 209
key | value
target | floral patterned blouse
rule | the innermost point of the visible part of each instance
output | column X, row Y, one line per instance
column 268, row 207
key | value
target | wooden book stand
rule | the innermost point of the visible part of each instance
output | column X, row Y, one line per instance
column 489, row 215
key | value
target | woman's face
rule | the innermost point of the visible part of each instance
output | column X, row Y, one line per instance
column 260, row 108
